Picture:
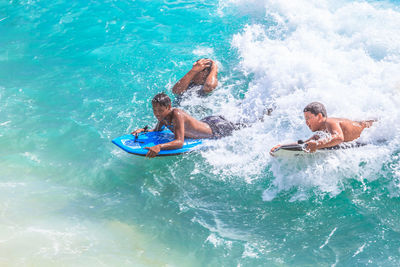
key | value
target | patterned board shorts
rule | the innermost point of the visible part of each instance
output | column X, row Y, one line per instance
column 220, row 126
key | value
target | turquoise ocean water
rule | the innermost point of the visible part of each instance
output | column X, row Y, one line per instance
column 76, row 74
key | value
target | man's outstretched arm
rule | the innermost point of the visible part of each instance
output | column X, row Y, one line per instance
column 335, row 137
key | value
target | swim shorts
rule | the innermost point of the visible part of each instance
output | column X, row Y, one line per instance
column 220, row 126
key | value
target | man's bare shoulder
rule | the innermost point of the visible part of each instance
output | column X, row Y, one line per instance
column 175, row 110
column 178, row 113
column 338, row 120
column 338, row 123
column 343, row 122
column 332, row 121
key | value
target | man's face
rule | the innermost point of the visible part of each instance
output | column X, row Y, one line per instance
column 160, row 112
column 313, row 121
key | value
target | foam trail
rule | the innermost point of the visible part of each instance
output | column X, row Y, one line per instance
column 359, row 250
column 329, row 237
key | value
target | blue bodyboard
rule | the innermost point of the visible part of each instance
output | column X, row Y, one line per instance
column 136, row 145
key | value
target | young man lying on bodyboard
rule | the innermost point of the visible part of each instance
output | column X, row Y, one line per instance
column 184, row 126
column 330, row 131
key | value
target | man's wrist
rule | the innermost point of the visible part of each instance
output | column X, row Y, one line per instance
column 193, row 71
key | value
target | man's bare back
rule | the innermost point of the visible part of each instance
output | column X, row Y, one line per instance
column 351, row 129
column 192, row 128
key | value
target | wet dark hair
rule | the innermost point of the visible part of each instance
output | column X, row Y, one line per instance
column 161, row 99
column 316, row 108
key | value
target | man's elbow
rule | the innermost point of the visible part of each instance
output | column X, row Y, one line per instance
column 209, row 87
column 179, row 143
column 339, row 139
column 176, row 90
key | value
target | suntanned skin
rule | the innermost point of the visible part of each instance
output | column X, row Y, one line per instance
column 183, row 124
column 339, row 130
column 199, row 75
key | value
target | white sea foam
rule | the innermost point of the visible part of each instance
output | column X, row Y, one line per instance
column 218, row 241
column 202, row 51
column 345, row 55
column 251, row 251
column 32, row 157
